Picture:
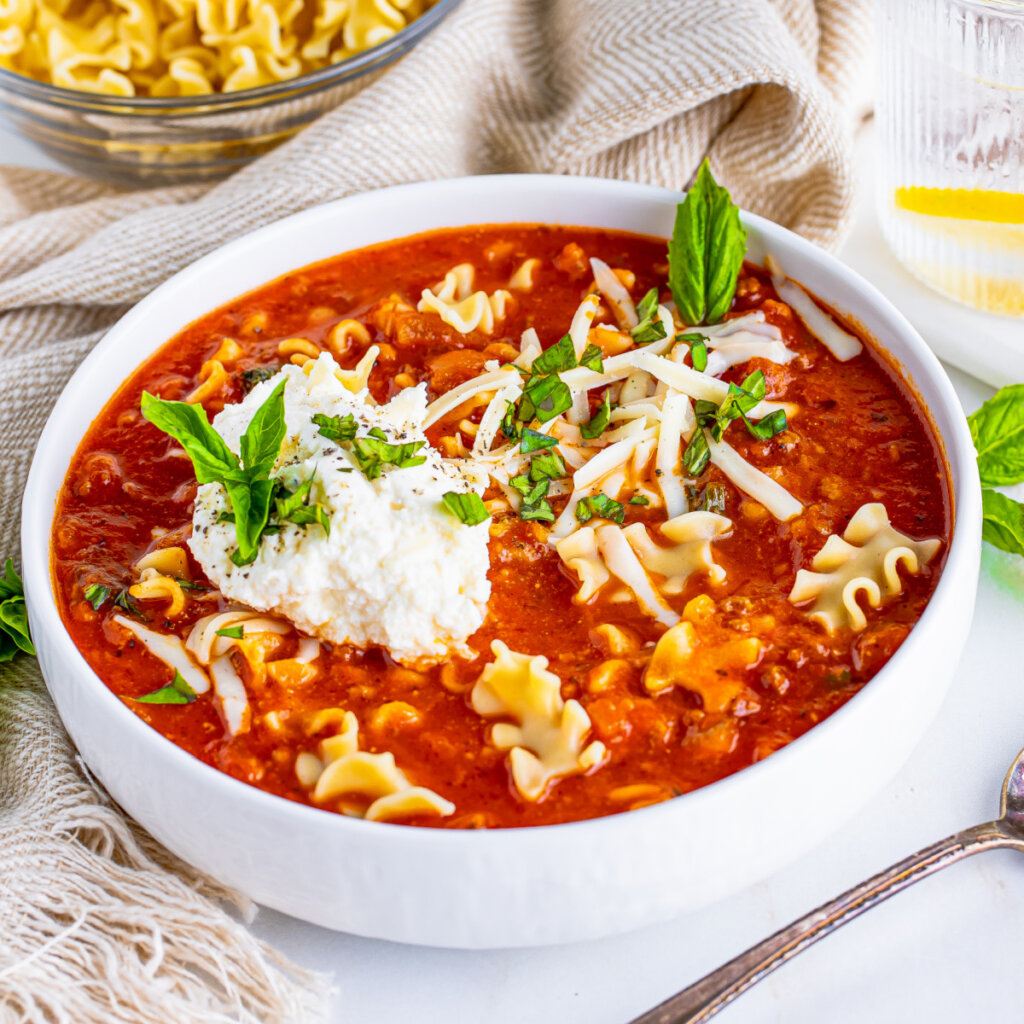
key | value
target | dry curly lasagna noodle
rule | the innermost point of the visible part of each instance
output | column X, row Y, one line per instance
column 189, row 47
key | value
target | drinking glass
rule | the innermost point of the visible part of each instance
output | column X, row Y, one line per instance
column 950, row 111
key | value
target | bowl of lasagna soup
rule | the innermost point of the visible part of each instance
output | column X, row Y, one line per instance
column 502, row 561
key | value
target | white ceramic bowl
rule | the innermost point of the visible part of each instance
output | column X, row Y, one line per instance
column 513, row 887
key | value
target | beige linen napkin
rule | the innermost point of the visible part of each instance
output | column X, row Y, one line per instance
column 97, row 924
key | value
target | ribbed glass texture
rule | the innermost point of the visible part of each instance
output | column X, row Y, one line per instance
column 950, row 111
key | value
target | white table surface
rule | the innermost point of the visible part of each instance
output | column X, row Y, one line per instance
column 945, row 951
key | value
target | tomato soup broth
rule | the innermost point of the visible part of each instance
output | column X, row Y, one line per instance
column 757, row 670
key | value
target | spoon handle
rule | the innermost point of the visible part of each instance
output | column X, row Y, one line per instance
column 704, row 998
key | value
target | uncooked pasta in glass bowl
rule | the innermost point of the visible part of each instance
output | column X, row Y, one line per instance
column 157, row 92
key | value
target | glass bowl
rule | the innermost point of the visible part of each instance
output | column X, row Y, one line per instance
column 143, row 141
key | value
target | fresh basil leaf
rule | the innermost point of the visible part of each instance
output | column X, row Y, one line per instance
column 296, row 499
column 560, row 356
column 1002, row 522
column 127, row 603
column 467, row 508
column 648, row 305
column 175, row 692
column 232, row 632
column 533, row 440
column 997, row 429
column 250, row 504
column 547, row 466
column 545, row 398
column 706, row 251
column 599, row 506
column 336, row 428
column 639, row 499
column 592, row 359
column 597, row 424
column 304, row 515
column 212, row 460
column 261, row 442
column 510, row 423
column 96, row 595
column 540, row 511
column 697, row 454
column 14, row 634
column 531, row 490
column 698, row 350
column 767, row 427
column 373, row 453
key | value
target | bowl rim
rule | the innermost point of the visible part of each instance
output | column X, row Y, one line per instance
column 956, row 450
column 218, row 102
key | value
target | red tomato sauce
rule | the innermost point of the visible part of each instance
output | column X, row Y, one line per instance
column 859, row 436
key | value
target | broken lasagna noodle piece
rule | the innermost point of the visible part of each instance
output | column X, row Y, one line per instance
column 486, row 534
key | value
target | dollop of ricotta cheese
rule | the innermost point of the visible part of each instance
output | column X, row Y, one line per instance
column 396, row 569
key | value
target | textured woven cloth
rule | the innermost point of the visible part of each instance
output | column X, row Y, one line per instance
column 96, row 922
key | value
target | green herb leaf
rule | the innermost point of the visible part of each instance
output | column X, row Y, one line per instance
column 697, row 454
column 639, row 499
column 127, row 603
column 96, row 595
column 698, row 350
column 533, row 440
column 336, row 428
column 467, row 508
column 598, row 423
column 592, row 359
column 547, row 466
column 232, row 632
column 531, row 490
column 545, row 398
column 510, row 423
column 998, row 432
column 291, row 501
column 373, row 453
column 599, row 506
column 540, row 511
column 304, row 515
column 177, row 691
column 212, row 460
column 250, row 503
column 258, row 374
column 14, row 635
column 712, row 499
column 649, row 326
column 261, row 442
column 1002, row 522
column 766, row 428
column 706, row 252
column 560, row 356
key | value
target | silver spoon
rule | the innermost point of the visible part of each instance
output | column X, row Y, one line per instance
column 704, row 998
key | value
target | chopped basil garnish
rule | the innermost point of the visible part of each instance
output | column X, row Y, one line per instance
column 599, row 506
column 258, row 374
column 639, row 499
column 740, row 400
column 96, row 595
column 697, row 454
column 547, row 466
column 248, row 484
column 374, row 452
column 510, row 426
column 14, row 635
column 706, row 252
column 599, row 421
column 712, row 499
column 177, row 691
column 533, row 440
column 541, row 512
column 533, row 506
column 125, row 601
column 560, row 356
column 591, row 359
column 649, row 326
column 544, row 398
column 698, row 350
column 336, row 428
column 766, row 428
column 467, row 508
column 232, row 632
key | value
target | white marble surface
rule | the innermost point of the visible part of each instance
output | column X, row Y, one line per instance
column 945, row 951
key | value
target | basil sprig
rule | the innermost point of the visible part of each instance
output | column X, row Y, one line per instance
column 706, row 251
column 14, row 635
column 998, row 432
column 467, row 508
column 247, row 482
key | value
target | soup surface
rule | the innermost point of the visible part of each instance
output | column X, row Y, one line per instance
column 681, row 680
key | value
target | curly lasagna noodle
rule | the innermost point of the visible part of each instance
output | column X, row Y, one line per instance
column 189, row 47
column 476, row 529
